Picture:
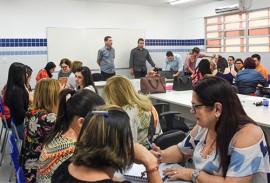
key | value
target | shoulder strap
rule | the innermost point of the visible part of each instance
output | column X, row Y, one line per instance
column 152, row 124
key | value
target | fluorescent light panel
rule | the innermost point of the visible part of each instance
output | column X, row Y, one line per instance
column 179, row 1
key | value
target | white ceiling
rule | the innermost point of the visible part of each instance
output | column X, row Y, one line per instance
column 161, row 3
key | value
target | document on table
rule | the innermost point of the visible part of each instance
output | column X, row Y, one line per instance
column 135, row 172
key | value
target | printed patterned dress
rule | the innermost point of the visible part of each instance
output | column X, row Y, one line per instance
column 37, row 125
column 243, row 161
column 53, row 155
column 139, row 123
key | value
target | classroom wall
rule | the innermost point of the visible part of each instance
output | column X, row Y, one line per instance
column 24, row 23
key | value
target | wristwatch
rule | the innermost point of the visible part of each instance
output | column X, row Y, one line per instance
column 195, row 174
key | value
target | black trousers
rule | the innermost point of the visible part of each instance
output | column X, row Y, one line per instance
column 107, row 75
column 139, row 74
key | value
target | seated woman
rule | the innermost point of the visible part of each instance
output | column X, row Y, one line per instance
column 248, row 79
column 202, row 70
column 238, row 65
column 46, row 72
column 39, row 120
column 223, row 71
column 65, row 68
column 120, row 91
column 104, row 147
column 71, row 78
column 226, row 145
column 60, row 142
column 84, row 79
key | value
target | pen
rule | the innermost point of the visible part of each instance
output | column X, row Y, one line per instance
column 149, row 144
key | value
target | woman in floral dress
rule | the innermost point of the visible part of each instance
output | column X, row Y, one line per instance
column 39, row 120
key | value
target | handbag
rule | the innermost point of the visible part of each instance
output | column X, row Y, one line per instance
column 181, row 83
column 265, row 90
column 153, row 84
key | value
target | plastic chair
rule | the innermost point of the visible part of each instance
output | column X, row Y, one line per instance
column 167, row 119
column 169, row 139
column 14, row 152
column 172, row 123
column 97, row 77
column 6, row 133
column 20, row 176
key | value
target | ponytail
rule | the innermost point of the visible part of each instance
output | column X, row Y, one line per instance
column 62, row 122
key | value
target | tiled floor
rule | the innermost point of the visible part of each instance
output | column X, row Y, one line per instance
column 6, row 167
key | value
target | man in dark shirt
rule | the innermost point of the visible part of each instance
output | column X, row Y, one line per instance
column 137, row 61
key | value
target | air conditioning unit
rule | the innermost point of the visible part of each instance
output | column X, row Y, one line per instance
column 232, row 8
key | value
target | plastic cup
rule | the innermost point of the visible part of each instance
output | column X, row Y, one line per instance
column 265, row 102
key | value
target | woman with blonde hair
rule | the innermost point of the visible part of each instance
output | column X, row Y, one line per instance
column 39, row 120
column 121, row 92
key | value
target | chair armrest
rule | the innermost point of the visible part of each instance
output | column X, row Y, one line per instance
column 170, row 113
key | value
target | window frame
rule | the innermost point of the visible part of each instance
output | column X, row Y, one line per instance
column 222, row 33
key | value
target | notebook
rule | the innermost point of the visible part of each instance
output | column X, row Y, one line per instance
column 135, row 172
column 166, row 74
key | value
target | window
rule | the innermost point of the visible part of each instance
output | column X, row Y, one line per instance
column 238, row 32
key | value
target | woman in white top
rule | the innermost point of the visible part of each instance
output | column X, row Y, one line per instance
column 120, row 91
column 84, row 79
column 226, row 145
column 71, row 78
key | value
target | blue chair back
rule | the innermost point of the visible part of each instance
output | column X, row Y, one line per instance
column 14, row 152
column 1, row 107
column 4, row 120
column 268, row 78
column 20, row 176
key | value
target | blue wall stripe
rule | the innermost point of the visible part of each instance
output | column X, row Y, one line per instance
column 42, row 42
column 34, row 52
column 173, row 50
column 174, row 42
column 23, row 42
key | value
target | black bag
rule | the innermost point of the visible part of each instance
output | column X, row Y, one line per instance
column 265, row 90
column 181, row 83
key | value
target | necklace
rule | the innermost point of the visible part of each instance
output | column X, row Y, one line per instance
column 72, row 131
column 210, row 151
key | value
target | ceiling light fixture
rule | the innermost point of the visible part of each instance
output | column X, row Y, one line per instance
column 179, row 1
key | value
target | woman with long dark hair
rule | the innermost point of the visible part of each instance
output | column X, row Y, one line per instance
column 84, row 79
column 59, row 144
column 223, row 70
column 104, row 147
column 202, row 70
column 46, row 72
column 16, row 95
column 226, row 145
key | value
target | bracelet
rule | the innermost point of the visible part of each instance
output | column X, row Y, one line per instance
column 149, row 171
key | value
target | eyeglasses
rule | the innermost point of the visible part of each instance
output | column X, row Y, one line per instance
column 238, row 63
column 63, row 67
column 194, row 107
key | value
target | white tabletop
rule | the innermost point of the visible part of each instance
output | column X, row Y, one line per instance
column 260, row 114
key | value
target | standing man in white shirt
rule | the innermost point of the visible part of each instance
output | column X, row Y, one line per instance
column 105, row 58
column 175, row 62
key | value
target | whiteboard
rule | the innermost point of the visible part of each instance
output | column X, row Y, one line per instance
column 82, row 44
